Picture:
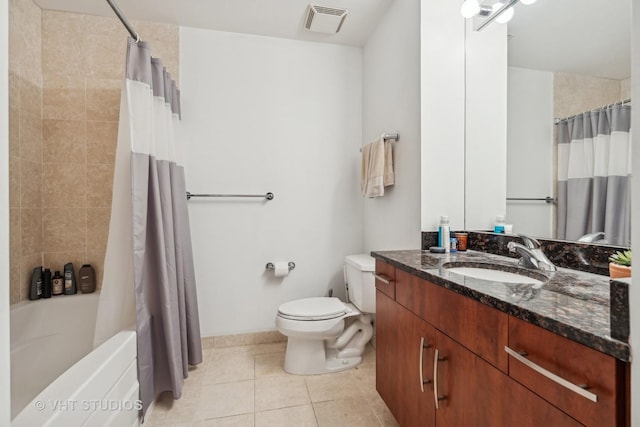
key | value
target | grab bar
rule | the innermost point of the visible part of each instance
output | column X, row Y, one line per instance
column 268, row 196
column 547, row 199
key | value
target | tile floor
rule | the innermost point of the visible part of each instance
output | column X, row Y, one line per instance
column 246, row 386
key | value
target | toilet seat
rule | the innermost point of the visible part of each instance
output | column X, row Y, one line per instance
column 310, row 309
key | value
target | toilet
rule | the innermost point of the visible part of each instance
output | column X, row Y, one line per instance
column 325, row 334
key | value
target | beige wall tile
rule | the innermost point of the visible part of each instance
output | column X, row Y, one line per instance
column 14, row 182
column 103, row 99
column 99, row 185
column 31, row 31
column 98, row 228
column 30, row 96
column 65, row 230
column 63, row 97
column 55, row 261
column 15, row 251
column 31, row 230
column 65, row 185
column 106, row 48
column 575, row 94
column 63, row 44
column 14, row 89
column 64, row 141
column 30, row 136
column 30, row 184
column 102, row 138
column 28, row 263
column 625, row 89
column 14, row 131
column 14, row 278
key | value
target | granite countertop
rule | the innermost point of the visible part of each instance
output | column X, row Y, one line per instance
column 571, row 303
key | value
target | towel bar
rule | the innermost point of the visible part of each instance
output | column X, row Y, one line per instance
column 268, row 196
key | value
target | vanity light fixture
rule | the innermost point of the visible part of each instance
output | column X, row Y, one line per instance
column 501, row 11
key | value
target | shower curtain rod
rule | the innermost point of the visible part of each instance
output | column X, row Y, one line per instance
column 626, row 101
column 124, row 21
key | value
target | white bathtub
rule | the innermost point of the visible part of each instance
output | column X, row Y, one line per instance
column 57, row 378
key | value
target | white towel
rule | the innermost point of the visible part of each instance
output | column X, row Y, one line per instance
column 377, row 168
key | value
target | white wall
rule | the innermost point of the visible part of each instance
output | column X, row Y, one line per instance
column 530, row 150
column 5, row 365
column 265, row 114
column 485, row 125
column 391, row 103
column 442, row 114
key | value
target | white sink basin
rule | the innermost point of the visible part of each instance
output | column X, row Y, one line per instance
column 494, row 275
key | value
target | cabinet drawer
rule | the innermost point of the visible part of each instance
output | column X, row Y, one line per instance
column 386, row 278
column 478, row 327
column 586, row 384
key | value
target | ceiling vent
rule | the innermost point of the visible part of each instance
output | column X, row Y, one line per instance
column 323, row 19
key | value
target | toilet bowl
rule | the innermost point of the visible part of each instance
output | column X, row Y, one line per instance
column 325, row 334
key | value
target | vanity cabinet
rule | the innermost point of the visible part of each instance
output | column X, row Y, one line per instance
column 584, row 383
column 441, row 360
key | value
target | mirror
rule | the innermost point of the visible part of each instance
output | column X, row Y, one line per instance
column 565, row 57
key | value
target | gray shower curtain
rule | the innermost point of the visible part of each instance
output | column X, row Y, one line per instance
column 149, row 260
column 594, row 175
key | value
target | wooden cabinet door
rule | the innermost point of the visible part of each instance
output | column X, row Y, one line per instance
column 387, row 342
column 454, row 385
column 404, row 363
column 414, row 367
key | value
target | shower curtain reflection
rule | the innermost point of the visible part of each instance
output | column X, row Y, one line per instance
column 594, row 175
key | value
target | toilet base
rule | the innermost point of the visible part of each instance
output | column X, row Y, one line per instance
column 312, row 357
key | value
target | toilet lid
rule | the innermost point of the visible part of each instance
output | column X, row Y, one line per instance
column 318, row 308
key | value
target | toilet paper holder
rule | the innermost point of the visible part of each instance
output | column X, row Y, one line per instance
column 272, row 267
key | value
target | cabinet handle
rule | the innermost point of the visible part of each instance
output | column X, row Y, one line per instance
column 436, row 397
column 383, row 279
column 422, row 380
column 579, row 389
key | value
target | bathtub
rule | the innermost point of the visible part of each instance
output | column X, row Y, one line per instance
column 57, row 378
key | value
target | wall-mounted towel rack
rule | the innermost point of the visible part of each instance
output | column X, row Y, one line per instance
column 268, row 196
column 547, row 199
column 390, row 137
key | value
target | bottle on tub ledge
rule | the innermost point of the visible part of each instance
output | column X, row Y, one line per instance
column 87, row 279
column 57, row 284
column 47, row 284
column 35, row 289
column 70, row 286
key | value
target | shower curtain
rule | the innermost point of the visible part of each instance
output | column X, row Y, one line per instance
column 594, row 175
column 149, row 279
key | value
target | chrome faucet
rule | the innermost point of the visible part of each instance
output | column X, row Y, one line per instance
column 531, row 254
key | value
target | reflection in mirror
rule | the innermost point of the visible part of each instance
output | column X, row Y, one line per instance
column 567, row 58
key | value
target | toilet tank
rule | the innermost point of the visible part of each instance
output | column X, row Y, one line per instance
column 361, row 285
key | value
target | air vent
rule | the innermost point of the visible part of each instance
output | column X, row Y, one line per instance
column 323, row 19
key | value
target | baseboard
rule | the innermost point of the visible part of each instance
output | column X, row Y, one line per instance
column 267, row 337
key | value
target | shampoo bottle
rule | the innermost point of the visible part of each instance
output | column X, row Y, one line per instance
column 57, row 284
column 87, row 279
column 35, row 289
column 47, row 284
column 70, row 287
column 444, row 233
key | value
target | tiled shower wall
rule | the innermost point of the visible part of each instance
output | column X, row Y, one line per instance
column 65, row 185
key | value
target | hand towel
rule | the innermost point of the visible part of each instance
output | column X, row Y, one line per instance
column 389, row 176
column 374, row 169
